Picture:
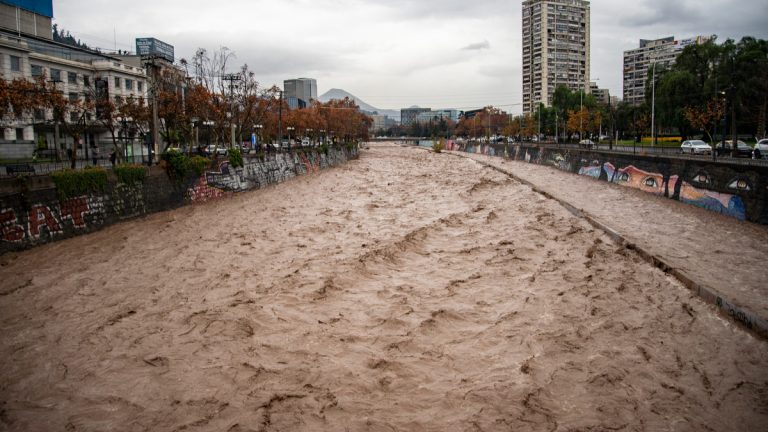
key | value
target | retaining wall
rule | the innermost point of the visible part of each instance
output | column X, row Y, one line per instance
column 739, row 191
column 31, row 213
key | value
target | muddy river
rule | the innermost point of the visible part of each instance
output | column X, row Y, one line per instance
column 404, row 291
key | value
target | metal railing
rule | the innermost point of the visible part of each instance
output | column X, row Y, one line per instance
column 639, row 150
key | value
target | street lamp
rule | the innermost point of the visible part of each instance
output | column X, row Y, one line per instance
column 210, row 124
column 653, row 107
column 258, row 128
column 309, row 135
column 55, row 119
column 289, row 129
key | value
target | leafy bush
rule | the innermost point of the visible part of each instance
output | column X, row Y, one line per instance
column 176, row 164
column 198, row 164
column 235, row 158
column 73, row 183
column 438, row 146
column 324, row 148
column 130, row 173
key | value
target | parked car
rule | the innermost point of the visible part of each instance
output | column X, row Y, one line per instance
column 212, row 148
column 761, row 149
column 695, row 147
column 587, row 144
column 742, row 149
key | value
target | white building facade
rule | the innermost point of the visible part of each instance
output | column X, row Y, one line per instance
column 72, row 71
column 637, row 62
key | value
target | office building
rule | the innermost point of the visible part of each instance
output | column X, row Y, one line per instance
column 79, row 74
column 556, row 38
column 300, row 92
column 32, row 17
column 437, row 115
column 637, row 62
column 408, row 116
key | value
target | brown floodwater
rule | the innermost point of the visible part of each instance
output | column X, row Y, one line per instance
column 404, row 291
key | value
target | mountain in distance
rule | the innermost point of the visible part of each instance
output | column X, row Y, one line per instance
column 341, row 94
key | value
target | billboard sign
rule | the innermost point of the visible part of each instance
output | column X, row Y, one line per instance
column 152, row 46
column 40, row 7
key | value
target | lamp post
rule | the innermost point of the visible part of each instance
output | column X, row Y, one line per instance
column 653, row 107
column 289, row 129
column 258, row 128
column 322, row 136
column 309, row 135
column 581, row 112
column 55, row 120
column 209, row 124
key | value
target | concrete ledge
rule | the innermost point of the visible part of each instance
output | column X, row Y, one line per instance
column 740, row 314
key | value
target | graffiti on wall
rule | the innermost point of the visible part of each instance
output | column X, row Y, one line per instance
column 693, row 192
column 258, row 173
column 43, row 222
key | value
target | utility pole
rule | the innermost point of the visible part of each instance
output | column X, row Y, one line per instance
column 653, row 107
column 280, row 121
column 232, row 78
column 734, row 133
column 55, row 121
column 149, row 63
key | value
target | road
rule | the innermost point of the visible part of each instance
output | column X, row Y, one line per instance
column 403, row 291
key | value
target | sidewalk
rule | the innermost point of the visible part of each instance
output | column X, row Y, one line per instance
column 723, row 260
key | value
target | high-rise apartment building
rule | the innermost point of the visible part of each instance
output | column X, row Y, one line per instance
column 300, row 92
column 638, row 61
column 602, row 96
column 555, row 49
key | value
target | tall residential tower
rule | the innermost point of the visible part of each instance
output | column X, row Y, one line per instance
column 555, row 49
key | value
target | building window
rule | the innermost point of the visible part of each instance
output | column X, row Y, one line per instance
column 117, row 82
column 86, row 80
column 72, row 78
column 74, row 117
column 55, row 75
column 128, row 84
column 140, row 86
column 39, row 114
column 74, row 97
column 15, row 63
column 37, row 70
column 19, row 134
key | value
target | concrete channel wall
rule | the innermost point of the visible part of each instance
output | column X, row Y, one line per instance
column 31, row 213
column 729, row 188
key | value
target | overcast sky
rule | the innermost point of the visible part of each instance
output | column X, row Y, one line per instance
column 397, row 53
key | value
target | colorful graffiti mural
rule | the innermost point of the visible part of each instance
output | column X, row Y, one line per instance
column 28, row 219
column 658, row 184
column 48, row 221
column 732, row 190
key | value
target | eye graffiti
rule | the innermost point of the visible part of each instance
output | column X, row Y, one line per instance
column 740, row 184
column 702, row 178
column 650, row 182
column 623, row 177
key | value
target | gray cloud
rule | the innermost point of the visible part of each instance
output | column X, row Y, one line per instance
column 477, row 46
column 400, row 52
